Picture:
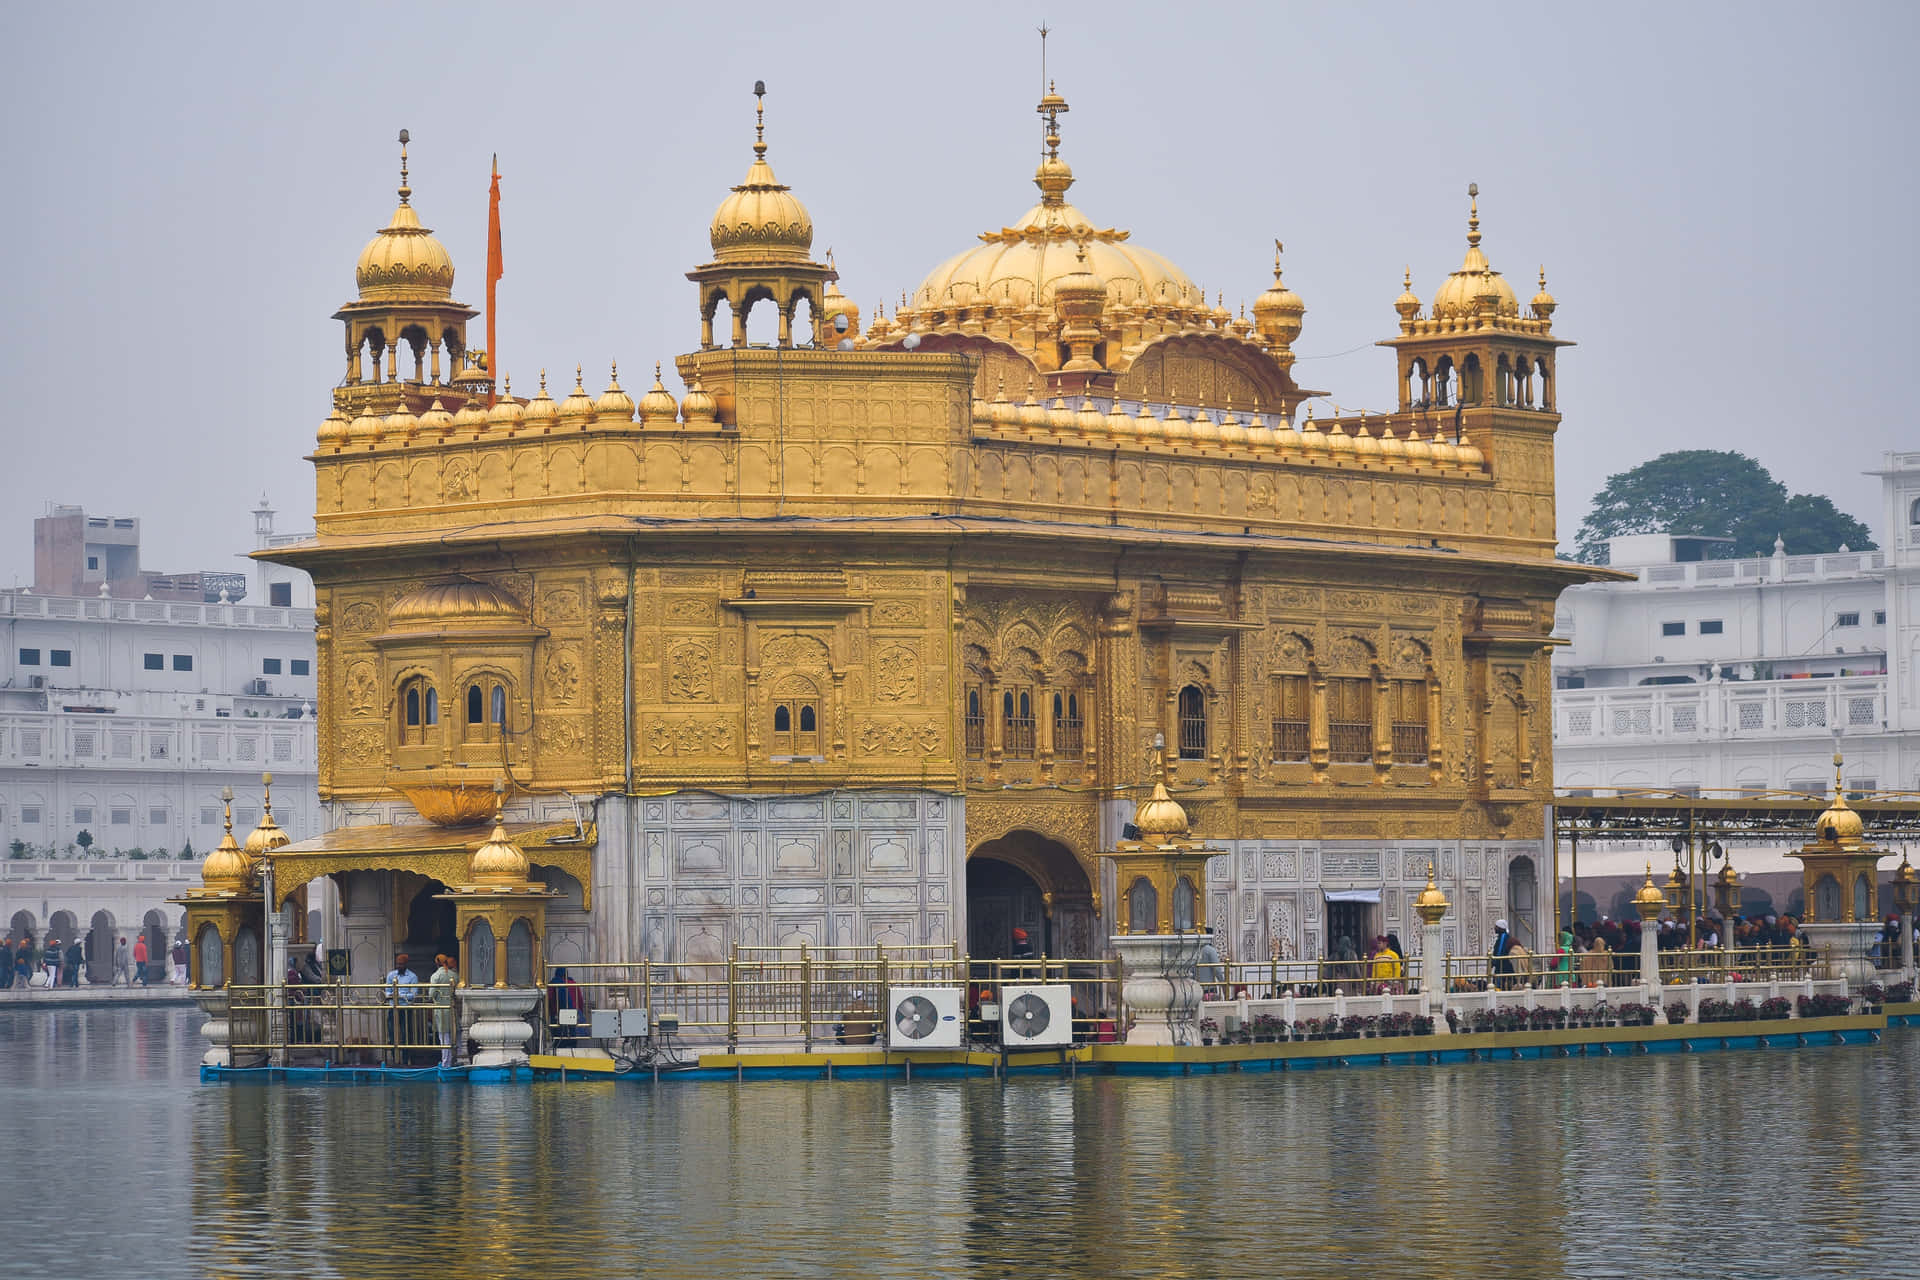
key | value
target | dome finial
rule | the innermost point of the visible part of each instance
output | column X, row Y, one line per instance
column 226, row 797
column 1473, row 214
column 406, row 192
column 760, row 119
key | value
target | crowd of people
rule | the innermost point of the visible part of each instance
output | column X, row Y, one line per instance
column 50, row 963
column 1607, row 952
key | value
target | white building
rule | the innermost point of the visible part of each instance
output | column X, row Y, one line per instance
column 125, row 718
column 1730, row 677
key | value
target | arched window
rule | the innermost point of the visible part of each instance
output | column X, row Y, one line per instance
column 418, row 711
column 1913, row 515
column 976, row 726
column 500, row 705
column 486, row 711
column 1143, row 907
column 796, row 727
column 475, row 700
column 1069, row 737
column 1184, row 900
column 1016, row 713
column 1522, row 894
column 1193, row 723
column 1292, row 713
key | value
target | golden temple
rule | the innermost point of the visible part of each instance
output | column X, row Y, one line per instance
column 868, row 636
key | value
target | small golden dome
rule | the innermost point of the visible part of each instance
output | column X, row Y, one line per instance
column 404, row 262
column 499, row 860
column 541, row 410
column 269, row 835
column 401, row 423
column 1442, row 449
column 697, row 407
column 1204, row 430
column 578, row 404
column 614, row 404
column 1649, row 902
column 1119, row 425
column 333, row 430
column 1312, row 438
column 1078, row 295
column 227, row 868
column 364, row 429
column 1175, row 429
column 1160, row 814
column 1470, row 456
column 1365, row 445
column 1338, row 441
column 1416, row 449
column 436, row 421
column 1278, row 313
column 472, row 416
column 1390, row 447
column 1840, row 824
column 762, row 220
column 1032, row 415
column 462, row 600
column 1431, row 904
column 507, row 413
column 1090, row 423
column 1459, row 295
column 833, row 305
column 657, row 407
column 1408, row 303
column 1543, row 303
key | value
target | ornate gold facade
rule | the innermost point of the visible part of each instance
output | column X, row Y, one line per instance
column 1056, row 507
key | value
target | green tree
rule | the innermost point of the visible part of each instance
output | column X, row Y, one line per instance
column 1714, row 493
column 84, row 839
column 186, row 851
column 18, row 848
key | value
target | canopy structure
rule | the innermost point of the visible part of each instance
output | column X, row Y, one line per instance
column 440, row 853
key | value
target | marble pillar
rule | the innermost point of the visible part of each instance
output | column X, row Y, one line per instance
column 1158, row 984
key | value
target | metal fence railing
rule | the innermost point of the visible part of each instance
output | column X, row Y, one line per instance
column 371, row 1024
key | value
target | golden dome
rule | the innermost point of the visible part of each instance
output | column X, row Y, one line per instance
column 1458, row 296
column 269, row 835
column 614, row 403
column 1338, row 441
column 403, row 262
column 1023, row 264
column 499, row 860
column 401, row 423
column 1408, row 303
column 1277, row 313
column 578, row 403
column 1649, row 902
column 507, row 412
column 1160, row 814
column 462, row 600
column 1543, row 303
column 1442, row 449
column 1431, row 904
column 1390, row 447
column 1175, row 429
column 657, row 407
column 834, row 304
column 1232, row 434
column 697, row 406
column 333, row 430
column 541, row 410
column 1089, row 423
column 1119, row 425
column 472, row 415
column 436, row 421
column 364, row 429
column 1204, row 431
column 1365, row 445
column 1416, row 449
column 762, row 220
column 1840, row 824
column 227, row 868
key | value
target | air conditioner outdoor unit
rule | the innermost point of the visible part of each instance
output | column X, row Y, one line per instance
column 924, row 1018
column 36, row 682
column 257, row 686
column 1036, row 1017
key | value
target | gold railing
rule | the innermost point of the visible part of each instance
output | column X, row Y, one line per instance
column 1529, row 969
column 344, row 1023
column 804, row 996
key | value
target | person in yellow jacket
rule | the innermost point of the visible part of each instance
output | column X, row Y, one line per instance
column 1387, row 969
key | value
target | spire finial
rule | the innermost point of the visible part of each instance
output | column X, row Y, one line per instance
column 543, row 382
column 1473, row 213
column 1278, row 249
column 266, row 794
column 226, row 796
column 576, row 380
column 406, row 192
column 759, row 119
column 1543, row 277
column 614, row 369
column 1406, row 279
column 499, row 799
column 506, row 385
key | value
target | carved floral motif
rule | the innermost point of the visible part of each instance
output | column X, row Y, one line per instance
column 690, row 674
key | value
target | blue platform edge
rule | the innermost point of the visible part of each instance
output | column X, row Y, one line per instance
column 956, row 1070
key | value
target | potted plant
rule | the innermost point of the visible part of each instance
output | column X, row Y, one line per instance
column 1635, row 1014
column 1900, row 992
column 1776, row 1008
column 1401, row 1024
column 1209, row 1030
column 1420, row 1024
column 1676, row 1011
column 1312, row 1028
column 1875, row 995
column 1823, row 1006
column 1354, row 1025
column 1266, row 1028
column 1742, row 1010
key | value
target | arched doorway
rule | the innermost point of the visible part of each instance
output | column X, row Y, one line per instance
column 154, row 925
column 1522, row 903
column 100, row 949
column 1025, row 881
column 430, row 928
column 63, row 927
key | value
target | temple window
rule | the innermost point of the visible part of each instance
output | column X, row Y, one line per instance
column 1193, row 723
column 1409, row 721
column 1184, row 899
column 1068, row 729
column 486, row 711
column 1292, row 715
column 1143, row 905
column 1016, row 710
column 976, row 726
column 1350, row 719
column 796, row 728
column 419, row 711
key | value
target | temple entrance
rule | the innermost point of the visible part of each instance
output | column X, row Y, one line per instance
column 430, row 928
column 1026, row 881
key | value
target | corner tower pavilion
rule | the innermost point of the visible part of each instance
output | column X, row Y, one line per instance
column 867, row 637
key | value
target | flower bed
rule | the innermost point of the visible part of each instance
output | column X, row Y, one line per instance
column 1776, row 1008
column 1824, row 1006
column 1677, row 1012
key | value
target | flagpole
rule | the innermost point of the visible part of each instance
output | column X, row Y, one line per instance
column 495, row 268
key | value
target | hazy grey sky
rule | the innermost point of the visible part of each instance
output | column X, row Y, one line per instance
column 1723, row 196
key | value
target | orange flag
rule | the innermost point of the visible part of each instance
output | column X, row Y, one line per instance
column 495, row 269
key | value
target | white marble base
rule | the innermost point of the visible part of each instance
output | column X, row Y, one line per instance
column 499, row 1023
column 1842, row 951
column 216, row 1029
column 1157, row 983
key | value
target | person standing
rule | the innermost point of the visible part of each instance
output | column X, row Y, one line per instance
column 403, row 984
column 122, row 963
column 49, row 961
column 442, row 984
column 70, row 966
column 6, row 962
column 179, row 962
column 140, row 959
column 1502, row 949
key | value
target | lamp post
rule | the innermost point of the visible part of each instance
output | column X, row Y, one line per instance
column 1648, row 904
column 1906, row 897
column 1726, row 894
column 1431, row 906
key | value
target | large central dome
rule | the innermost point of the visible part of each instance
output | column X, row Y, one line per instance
column 1019, row 265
